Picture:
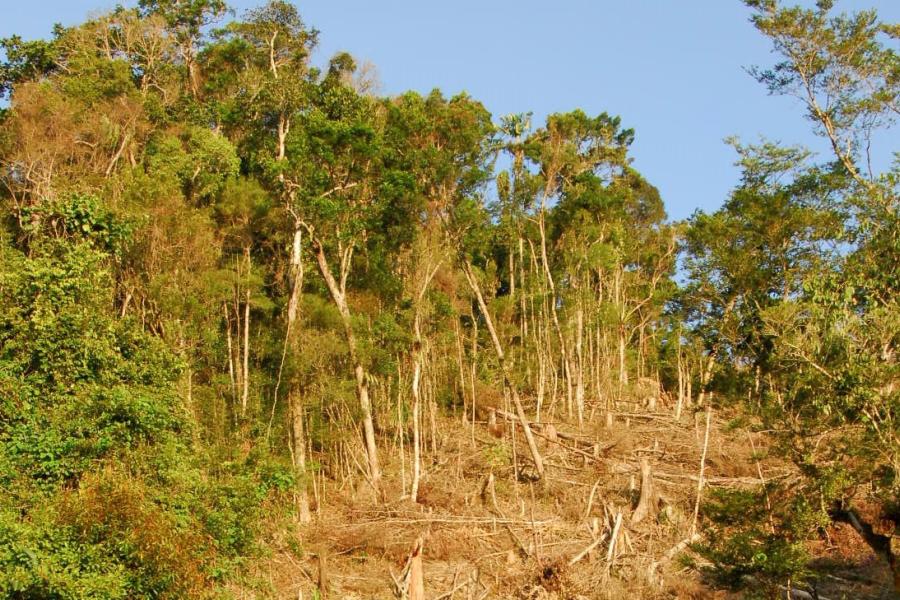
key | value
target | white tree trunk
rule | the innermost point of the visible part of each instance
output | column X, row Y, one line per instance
column 338, row 295
column 416, row 394
column 507, row 378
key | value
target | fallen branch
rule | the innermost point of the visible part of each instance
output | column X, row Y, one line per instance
column 590, row 548
column 561, row 436
column 717, row 480
column 612, row 541
column 649, row 416
column 454, row 521
column 453, row 590
column 670, row 554
column 590, row 502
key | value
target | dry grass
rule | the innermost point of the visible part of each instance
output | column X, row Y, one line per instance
column 489, row 534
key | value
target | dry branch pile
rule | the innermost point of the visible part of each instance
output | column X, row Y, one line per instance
column 612, row 513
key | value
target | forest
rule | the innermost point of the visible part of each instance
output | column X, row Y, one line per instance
column 268, row 333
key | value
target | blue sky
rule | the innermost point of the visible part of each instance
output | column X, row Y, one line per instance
column 673, row 70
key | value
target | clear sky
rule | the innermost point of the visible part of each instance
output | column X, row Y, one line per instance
column 672, row 69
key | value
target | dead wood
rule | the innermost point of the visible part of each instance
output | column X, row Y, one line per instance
column 648, row 499
column 587, row 550
column 410, row 585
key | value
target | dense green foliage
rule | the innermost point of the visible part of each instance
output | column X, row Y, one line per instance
column 794, row 289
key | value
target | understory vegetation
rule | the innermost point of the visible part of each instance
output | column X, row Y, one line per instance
column 266, row 332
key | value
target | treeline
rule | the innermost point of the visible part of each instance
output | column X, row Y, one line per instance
column 229, row 276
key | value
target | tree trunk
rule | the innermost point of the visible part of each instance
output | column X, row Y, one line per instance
column 338, row 295
column 245, row 370
column 507, row 378
column 620, row 300
column 680, row 404
column 416, row 581
column 417, row 444
column 706, row 376
column 579, row 363
column 460, row 371
column 295, row 405
column 245, row 393
column 880, row 544
column 648, row 500
column 553, row 308
column 231, row 370
column 298, row 439
column 284, row 127
column 472, row 371
column 522, row 307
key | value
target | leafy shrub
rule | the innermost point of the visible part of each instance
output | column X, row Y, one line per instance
column 102, row 497
column 749, row 544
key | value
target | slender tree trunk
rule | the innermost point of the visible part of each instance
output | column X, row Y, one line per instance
column 598, row 365
column 189, row 396
column 296, row 266
column 680, row 403
column 511, row 259
column 417, row 444
column 700, row 481
column 190, row 63
column 338, row 295
column 507, row 378
column 621, row 330
column 688, row 386
column 245, row 393
column 295, row 404
column 401, row 429
column 640, row 349
column 418, row 356
column 238, row 351
column 472, row 372
column 284, row 127
column 706, row 376
column 459, row 365
column 427, row 366
column 298, row 439
column 542, row 380
column 579, row 362
column 231, row 369
column 245, row 360
column 563, row 348
column 522, row 306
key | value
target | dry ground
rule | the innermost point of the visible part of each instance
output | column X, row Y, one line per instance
column 490, row 531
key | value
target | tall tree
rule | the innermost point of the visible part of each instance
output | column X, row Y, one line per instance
column 814, row 329
column 332, row 169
